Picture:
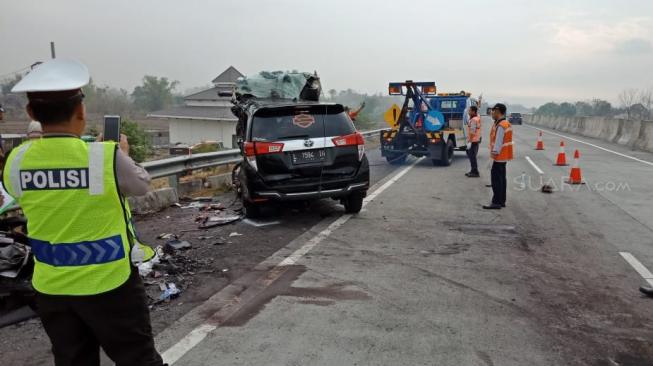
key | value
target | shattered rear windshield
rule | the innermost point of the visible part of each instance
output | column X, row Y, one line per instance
column 293, row 123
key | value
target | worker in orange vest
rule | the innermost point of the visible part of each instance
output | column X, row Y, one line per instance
column 501, row 151
column 473, row 139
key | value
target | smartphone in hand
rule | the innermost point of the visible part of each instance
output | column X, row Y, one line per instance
column 112, row 128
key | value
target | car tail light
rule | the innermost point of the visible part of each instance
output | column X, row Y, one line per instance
column 355, row 139
column 254, row 149
column 262, row 148
column 349, row 140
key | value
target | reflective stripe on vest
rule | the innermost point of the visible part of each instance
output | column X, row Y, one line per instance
column 77, row 224
column 78, row 254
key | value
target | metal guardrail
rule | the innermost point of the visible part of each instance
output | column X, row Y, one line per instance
column 179, row 164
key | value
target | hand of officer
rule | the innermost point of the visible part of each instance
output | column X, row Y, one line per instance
column 494, row 154
column 124, row 144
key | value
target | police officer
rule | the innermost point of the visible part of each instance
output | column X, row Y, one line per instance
column 89, row 293
column 473, row 139
column 501, row 152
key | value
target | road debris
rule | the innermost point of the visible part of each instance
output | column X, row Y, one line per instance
column 17, row 316
column 13, row 257
column 166, row 236
column 259, row 223
column 170, row 291
column 213, row 221
column 547, row 189
column 235, row 234
column 175, row 244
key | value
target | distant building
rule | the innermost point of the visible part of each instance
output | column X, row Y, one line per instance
column 205, row 116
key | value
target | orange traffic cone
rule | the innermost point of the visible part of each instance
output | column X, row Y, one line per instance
column 575, row 176
column 540, row 143
column 562, row 158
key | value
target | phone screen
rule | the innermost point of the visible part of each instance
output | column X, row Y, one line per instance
column 112, row 128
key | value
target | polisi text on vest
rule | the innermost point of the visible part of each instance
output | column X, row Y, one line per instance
column 76, row 178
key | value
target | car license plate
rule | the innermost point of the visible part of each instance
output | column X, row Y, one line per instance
column 308, row 156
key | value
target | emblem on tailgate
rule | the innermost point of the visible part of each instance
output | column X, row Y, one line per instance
column 303, row 120
column 308, row 143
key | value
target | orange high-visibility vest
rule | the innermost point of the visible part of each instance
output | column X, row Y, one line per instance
column 506, row 152
column 474, row 122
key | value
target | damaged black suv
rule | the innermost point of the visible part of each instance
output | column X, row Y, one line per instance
column 300, row 150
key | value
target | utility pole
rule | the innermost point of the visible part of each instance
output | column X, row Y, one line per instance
column 52, row 50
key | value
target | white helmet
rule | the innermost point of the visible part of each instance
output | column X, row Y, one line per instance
column 54, row 75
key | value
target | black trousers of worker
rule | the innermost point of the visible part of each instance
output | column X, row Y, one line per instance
column 499, row 182
column 472, row 152
column 118, row 321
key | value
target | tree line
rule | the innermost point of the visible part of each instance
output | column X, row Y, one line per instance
column 154, row 93
column 633, row 104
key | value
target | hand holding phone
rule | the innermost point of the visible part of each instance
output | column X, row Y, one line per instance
column 112, row 128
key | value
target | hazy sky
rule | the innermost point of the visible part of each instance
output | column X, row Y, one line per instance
column 518, row 51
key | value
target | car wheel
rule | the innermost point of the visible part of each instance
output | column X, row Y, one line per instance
column 354, row 203
column 251, row 210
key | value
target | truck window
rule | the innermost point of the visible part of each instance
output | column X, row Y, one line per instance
column 449, row 104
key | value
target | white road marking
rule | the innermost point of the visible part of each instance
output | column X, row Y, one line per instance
column 197, row 335
column 593, row 145
column 638, row 266
column 537, row 168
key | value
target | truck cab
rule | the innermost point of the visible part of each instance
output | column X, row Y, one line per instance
column 430, row 124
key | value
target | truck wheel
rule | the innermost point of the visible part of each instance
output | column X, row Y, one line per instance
column 447, row 154
column 354, row 203
column 396, row 159
column 251, row 210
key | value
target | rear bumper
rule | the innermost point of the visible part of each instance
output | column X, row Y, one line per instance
column 307, row 189
column 327, row 193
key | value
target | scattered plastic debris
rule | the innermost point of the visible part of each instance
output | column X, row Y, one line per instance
column 212, row 221
column 145, row 268
column 170, row 291
column 13, row 257
column 258, row 223
column 166, row 236
column 176, row 244
column 195, row 204
column 235, row 234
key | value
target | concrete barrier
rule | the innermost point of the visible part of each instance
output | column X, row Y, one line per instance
column 153, row 201
column 645, row 140
column 635, row 134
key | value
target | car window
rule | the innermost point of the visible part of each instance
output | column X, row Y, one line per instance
column 292, row 124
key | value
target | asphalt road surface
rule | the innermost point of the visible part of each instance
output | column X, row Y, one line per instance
column 424, row 276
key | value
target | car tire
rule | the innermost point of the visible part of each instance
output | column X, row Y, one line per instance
column 354, row 203
column 251, row 210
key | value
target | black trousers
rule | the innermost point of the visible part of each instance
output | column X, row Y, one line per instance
column 499, row 182
column 118, row 321
column 472, row 152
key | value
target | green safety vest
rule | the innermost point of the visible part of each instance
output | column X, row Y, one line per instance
column 79, row 225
